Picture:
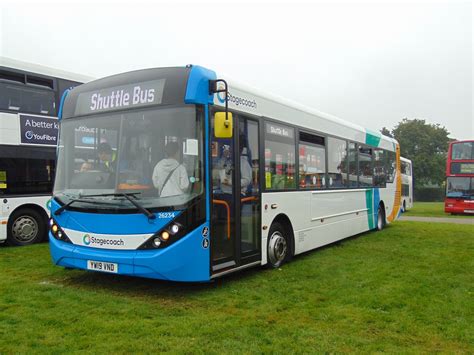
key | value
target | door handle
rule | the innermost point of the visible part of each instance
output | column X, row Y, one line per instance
column 274, row 206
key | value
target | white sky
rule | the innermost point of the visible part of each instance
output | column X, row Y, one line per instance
column 370, row 63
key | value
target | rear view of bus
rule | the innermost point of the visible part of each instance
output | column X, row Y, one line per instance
column 460, row 178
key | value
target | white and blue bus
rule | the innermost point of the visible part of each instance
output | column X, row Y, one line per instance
column 187, row 177
column 29, row 100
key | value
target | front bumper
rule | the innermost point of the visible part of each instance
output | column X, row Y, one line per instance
column 185, row 260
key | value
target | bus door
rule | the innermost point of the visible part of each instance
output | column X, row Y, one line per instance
column 235, row 220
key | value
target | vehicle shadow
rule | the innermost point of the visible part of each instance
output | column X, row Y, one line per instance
column 143, row 287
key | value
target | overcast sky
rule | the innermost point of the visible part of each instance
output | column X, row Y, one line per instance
column 369, row 63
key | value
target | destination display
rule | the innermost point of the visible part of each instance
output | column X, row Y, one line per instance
column 121, row 97
column 278, row 130
column 462, row 168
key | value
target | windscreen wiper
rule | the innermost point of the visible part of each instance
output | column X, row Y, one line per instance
column 132, row 201
column 65, row 206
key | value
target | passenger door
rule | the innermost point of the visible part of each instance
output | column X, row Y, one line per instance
column 235, row 175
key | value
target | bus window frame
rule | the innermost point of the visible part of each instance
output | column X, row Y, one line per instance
column 26, row 84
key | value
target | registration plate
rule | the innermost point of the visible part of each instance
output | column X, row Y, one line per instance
column 468, row 211
column 102, row 266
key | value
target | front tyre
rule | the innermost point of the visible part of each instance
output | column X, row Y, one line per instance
column 380, row 219
column 25, row 227
column 278, row 246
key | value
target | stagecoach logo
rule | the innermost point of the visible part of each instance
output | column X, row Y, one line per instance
column 38, row 130
column 91, row 240
column 86, row 239
column 236, row 100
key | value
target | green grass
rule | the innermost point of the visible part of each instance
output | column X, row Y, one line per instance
column 431, row 209
column 409, row 288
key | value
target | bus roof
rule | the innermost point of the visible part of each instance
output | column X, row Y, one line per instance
column 44, row 70
column 405, row 159
column 279, row 108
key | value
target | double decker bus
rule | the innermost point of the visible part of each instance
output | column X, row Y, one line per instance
column 29, row 99
column 407, row 183
column 189, row 177
column 460, row 178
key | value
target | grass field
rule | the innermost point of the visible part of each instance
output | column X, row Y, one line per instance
column 409, row 288
column 432, row 209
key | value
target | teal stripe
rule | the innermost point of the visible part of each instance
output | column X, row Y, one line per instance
column 370, row 207
column 372, row 138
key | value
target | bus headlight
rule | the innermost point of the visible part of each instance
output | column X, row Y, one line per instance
column 165, row 236
column 174, row 229
column 58, row 233
column 170, row 233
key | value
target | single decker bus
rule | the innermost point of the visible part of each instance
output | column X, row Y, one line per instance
column 29, row 100
column 189, row 177
column 460, row 178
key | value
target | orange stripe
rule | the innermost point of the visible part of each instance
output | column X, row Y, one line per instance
column 398, row 189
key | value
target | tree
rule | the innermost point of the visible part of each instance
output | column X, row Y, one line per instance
column 386, row 132
column 426, row 146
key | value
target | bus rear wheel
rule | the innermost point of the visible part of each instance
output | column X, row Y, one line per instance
column 278, row 246
column 25, row 227
column 380, row 218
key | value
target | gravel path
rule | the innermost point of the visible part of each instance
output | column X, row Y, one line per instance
column 439, row 219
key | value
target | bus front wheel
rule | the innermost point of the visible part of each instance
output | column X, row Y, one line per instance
column 278, row 246
column 25, row 227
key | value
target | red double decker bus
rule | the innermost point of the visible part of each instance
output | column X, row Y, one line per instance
column 460, row 178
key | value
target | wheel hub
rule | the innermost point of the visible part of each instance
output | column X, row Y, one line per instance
column 277, row 248
column 24, row 229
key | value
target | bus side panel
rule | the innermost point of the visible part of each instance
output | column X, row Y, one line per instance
column 331, row 216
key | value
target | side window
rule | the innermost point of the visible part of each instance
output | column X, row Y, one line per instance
column 380, row 176
column 403, row 167
column 26, row 170
column 312, row 154
column 27, row 93
column 279, row 157
column 390, row 164
column 337, row 163
column 365, row 167
column 353, row 171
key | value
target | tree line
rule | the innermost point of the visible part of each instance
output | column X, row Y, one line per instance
column 426, row 145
